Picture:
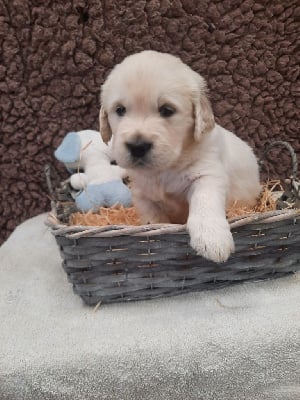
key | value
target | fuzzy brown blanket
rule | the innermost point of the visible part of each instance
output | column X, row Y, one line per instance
column 56, row 54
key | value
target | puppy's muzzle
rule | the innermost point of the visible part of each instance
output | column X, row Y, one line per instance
column 139, row 148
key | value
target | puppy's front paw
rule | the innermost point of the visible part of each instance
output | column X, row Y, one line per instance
column 215, row 244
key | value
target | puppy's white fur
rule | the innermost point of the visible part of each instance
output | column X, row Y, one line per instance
column 195, row 168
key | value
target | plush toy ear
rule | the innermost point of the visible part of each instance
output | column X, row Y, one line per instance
column 105, row 129
column 69, row 149
column 203, row 114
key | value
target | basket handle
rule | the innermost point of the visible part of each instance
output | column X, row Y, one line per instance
column 48, row 171
column 292, row 153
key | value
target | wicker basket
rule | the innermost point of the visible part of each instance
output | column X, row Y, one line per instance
column 122, row 263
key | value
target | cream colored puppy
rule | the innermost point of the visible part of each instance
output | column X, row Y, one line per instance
column 183, row 166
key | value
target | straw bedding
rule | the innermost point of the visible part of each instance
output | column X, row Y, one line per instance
column 119, row 215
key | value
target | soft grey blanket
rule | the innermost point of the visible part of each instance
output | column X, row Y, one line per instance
column 238, row 343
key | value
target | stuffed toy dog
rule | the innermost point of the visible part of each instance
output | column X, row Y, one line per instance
column 100, row 184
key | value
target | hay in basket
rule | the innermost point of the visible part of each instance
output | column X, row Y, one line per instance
column 121, row 262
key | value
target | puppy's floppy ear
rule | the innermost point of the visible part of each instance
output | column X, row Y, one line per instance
column 203, row 114
column 105, row 129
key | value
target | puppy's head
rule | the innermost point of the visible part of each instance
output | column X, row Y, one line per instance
column 154, row 107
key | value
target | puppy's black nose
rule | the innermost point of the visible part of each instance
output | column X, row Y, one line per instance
column 139, row 148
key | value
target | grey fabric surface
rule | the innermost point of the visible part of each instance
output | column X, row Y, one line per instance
column 239, row 343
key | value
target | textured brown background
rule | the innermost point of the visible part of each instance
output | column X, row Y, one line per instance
column 55, row 55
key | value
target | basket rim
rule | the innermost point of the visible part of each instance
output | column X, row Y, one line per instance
column 77, row 231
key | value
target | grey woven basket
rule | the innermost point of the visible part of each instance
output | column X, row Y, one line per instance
column 120, row 263
column 123, row 263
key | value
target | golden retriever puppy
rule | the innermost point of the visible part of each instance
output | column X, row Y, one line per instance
column 184, row 167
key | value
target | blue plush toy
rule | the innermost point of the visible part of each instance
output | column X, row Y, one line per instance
column 100, row 184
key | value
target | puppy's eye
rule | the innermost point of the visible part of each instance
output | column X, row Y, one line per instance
column 120, row 110
column 166, row 111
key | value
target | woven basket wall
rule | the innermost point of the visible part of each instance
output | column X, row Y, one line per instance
column 120, row 263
